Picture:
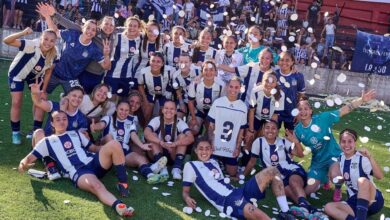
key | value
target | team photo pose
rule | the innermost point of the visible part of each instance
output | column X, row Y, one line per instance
column 228, row 119
column 207, row 176
column 202, row 50
column 72, row 152
column 30, row 64
column 97, row 104
column 79, row 51
column 176, row 46
column 126, row 57
column 315, row 132
column 228, row 56
column 118, row 127
column 154, row 84
column 201, row 95
column 169, row 136
column 358, row 167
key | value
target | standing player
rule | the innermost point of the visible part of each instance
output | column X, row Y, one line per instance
column 72, row 151
column 182, row 79
column 228, row 119
column 208, row 178
column 293, row 86
column 203, row 51
column 358, row 168
column 201, row 96
column 31, row 63
column 126, row 56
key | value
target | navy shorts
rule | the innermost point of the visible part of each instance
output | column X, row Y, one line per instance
column 94, row 167
column 8, row 4
column 123, row 85
column 157, row 98
column 288, row 122
column 66, row 84
column 18, row 86
column 20, row 6
column 373, row 208
column 226, row 160
column 287, row 173
column 90, row 80
column 258, row 124
column 242, row 196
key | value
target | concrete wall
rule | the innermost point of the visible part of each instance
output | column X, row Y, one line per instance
column 325, row 79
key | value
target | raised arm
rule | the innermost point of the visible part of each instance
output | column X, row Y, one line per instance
column 298, row 149
column 13, row 39
column 106, row 63
column 366, row 96
column 376, row 170
column 43, row 10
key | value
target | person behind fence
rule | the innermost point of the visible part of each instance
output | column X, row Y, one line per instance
column 358, row 167
column 314, row 131
column 206, row 174
column 72, row 152
column 33, row 60
column 79, row 51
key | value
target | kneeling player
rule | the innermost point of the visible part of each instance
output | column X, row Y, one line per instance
column 208, row 178
column 72, row 152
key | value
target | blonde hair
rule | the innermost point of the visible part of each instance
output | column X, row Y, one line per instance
column 52, row 53
column 133, row 18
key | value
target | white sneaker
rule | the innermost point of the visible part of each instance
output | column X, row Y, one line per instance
column 159, row 165
column 53, row 174
column 176, row 173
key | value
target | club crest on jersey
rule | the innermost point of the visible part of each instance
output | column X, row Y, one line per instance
column 207, row 100
column 168, row 138
column 72, row 44
column 37, row 68
column 85, row 54
column 313, row 140
column 75, row 124
column 132, row 49
column 239, row 202
column 68, row 144
column 157, row 89
column 176, row 59
column 274, row 157
column 354, row 165
column 346, row 176
column 121, row 132
column 265, row 110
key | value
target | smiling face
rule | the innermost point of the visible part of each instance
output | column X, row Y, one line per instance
column 100, row 94
column 205, row 39
column 48, row 41
column 59, row 121
column 177, row 33
column 229, row 44
column 108, row 25
column 75, row 98
column 135, row 103
column 156, row 63
column 256, row 34
column 203, row 151
column 169, row 110
column 270, row 131
column 152, row 32
column 89, row 30
column 233, row 89
column 208, row 71
column 269, row 82
column 305, row 111
column 122, row 110
column 285, row 62
column 132, row 28
column 184, row 64
column 265, row 60
column 347, row 144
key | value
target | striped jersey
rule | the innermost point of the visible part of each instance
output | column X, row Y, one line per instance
column 172, row 53
column 251, row 75
column 156, row 85
column 203, row 95
column 184, row 82
column 181, row 128
column 265, row 106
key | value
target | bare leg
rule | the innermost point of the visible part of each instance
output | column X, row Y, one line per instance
column 92, row 184
column 135, row 159
column 338, row 210
column 296, row 185
column 111, row 153
column 251, row 212
column 38, row 135
column 315, row 185
column 17, row 100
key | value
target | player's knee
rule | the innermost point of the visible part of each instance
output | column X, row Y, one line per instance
column 114, row 145
column 363, row 183
column 38, row 135
column 96, row 186
column 16, row 103
column 329, row 207
column 269, row 173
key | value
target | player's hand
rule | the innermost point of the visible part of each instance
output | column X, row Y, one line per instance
column 44, row 95
column 236, row 152
column 368, row 95
column 290, row 135
column 44, row 10
column 146, row 147
column 64, row 103
column 190, row 202
column 106, row 47
column 365, row 152
column 27, row 31
column 36, row 87
column 22, row 167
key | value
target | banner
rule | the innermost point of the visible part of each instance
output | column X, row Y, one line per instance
column 216, row 13
column 372, row 54
column 163, row 6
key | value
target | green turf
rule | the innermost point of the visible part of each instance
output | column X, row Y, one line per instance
column 25, row 197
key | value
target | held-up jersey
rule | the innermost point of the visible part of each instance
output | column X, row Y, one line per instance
column 125, row 57
column 181, row 128
column 69, row 150
column 228, row 118
column 265, row 106
column 29, row 62
column 352, row 169
column 122, row 131
column 209, row 180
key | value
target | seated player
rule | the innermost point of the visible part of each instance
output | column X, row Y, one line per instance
column 169, row 136
column 357, row 168
column 118, row 127
column 208, row 178
column 72, row 152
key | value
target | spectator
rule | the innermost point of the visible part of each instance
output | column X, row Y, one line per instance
column 329, row 30
column 313, row 15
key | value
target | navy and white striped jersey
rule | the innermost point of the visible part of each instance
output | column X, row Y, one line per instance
column 209, row 180
column 181, row 128
column 29, row 62
column 204, row 96
column 184, row 82
column 172, row 53
column 251, row 75
column 145, row 54
column 97, row 6
column 265, row 106
column 156, row 85
column 69, row 150
column 228, row 118
column 352, row 169
column 125, row 57
column 21, row 1
column 121, row 132
column 204, row 55
column 272, row 154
